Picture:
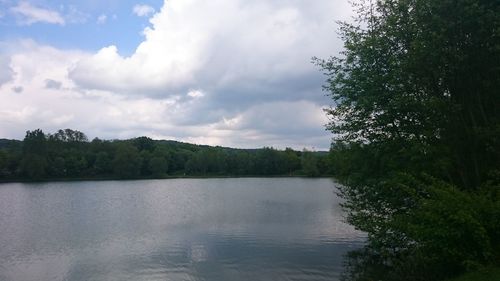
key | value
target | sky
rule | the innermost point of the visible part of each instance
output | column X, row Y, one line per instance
column 222, row 72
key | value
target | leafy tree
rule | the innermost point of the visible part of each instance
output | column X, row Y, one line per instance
column 57, row 167
column 145, row 166
column 102, row 163
column 292, row 159
column 198, row 163
column 268, row 161
column 247, row 163
column 144, row 143
column 158, row 166
column 309, row 164
column 127, row 162
column 220, row 164
column 35, row 142
column 14, row 157
column 33, row 166
column 3, row 164
column 416, row 120
column 75, row 164
column 68, row 135
column 34, row 162
column 177, row 159
column 323, row 164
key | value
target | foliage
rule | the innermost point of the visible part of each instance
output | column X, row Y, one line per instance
column 309, row 164
column 34, row 161
column 484, row 274
column 68, row 154
column 102, row 164
column 127, row 161
column 416, row 124
column 33, row 166
column 68, row 135
column 158, row 166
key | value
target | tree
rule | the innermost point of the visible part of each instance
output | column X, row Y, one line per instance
column 3, row 164
column 33, row 166
column 146, row 156
column 57, row 167
column 127, row 162
column 268, row 162
column 158, row 166
column 292, row 160
column 416, row 120
column 309, row 163
column 34, row 161
column 102, row 164
column 68, row 135
column 75, row 164
column 144, row 143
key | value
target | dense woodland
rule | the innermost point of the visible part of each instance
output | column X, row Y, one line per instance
column 68, row 154
column 416, row 117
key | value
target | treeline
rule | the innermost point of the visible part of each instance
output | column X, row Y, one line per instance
column 68, row 154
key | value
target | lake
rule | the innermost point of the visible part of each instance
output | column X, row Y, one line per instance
column 175, row 229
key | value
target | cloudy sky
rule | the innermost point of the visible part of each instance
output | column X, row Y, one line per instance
column 221, row 72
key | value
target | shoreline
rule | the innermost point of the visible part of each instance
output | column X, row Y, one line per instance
column 48, row 180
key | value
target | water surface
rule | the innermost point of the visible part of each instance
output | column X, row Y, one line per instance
column 183, row 229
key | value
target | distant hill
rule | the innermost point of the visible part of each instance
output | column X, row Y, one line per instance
column 6, row 143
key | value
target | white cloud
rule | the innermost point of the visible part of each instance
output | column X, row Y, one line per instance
column 6, row 72
column 50, row 101
column 192, row 44
column 295, row 124
column 75, row 16
column 143, row 10
column 196, row 94
column 52, row 84
column 18, row 89
column 29, row 14
column 102, row 19
column 241, row 78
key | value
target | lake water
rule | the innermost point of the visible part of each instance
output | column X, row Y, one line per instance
column 176, row 229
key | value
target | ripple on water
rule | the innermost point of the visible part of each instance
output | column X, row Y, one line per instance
column 212, row 229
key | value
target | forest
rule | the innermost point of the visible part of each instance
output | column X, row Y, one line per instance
column 68, row 154
column 416, row 120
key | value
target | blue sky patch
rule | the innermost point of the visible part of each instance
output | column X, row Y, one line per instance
column 86, row 25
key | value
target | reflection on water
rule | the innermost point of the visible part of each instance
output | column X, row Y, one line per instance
column 186, row 229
